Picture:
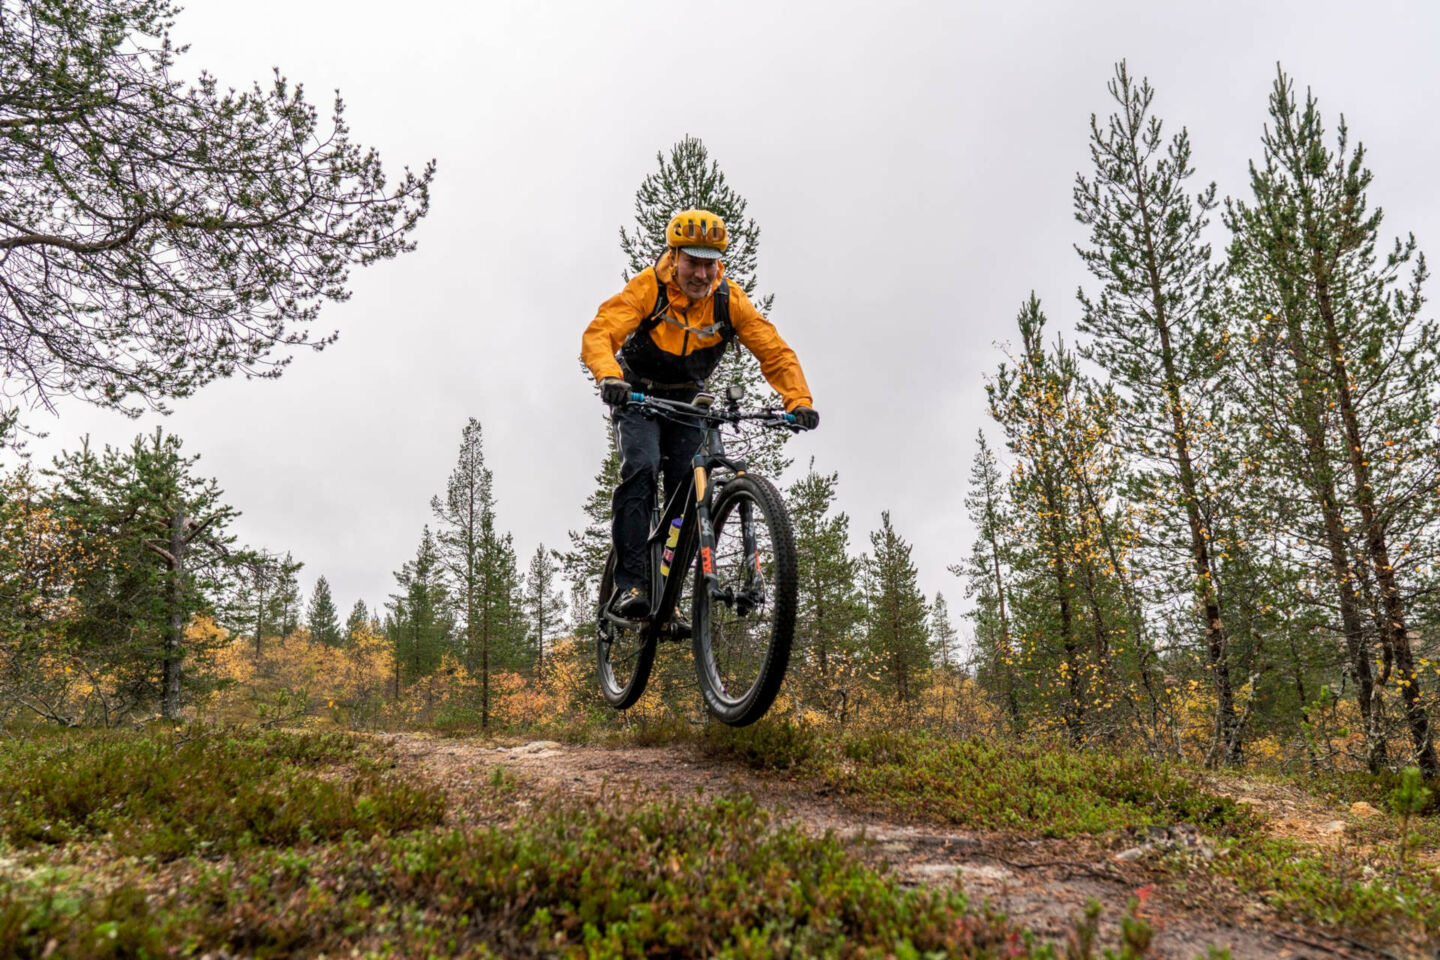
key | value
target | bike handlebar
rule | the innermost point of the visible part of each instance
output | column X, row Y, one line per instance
column 776, row 417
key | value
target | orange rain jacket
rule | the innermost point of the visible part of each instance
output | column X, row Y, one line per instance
column 622, row 314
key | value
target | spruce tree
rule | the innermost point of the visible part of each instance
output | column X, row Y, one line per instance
column 896, row 613
column 419, row 622
column 322, row 617
column 287, row 595
column 943, row 646
column 479, row 563
column 688, row 179
column 944, row 638
column 830, row 606
column 255, row 605
column 544, row 603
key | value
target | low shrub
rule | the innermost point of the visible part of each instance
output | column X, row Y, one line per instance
column 1017, row 785
column 596, row 879
column 171, row 794
column 770, row 744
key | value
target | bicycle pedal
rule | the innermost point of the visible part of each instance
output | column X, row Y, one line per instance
column 677, row 632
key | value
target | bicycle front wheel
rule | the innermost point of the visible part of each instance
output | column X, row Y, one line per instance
column 743, row 630
column 623, row 655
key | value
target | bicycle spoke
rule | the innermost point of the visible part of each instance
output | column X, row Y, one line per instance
column 623, row 655
column 741, row 624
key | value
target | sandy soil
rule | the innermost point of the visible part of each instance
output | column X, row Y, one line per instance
column 1042, row 884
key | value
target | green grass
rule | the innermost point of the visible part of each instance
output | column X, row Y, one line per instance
column 200, row 790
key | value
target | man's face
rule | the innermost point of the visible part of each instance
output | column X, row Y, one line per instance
column 696, row 275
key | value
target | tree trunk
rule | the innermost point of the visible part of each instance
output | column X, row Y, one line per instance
column 1393, row 632
column 485, row 669
column 175, row 628
column 259, row 614
column 1074, row 716
column 1226, row 747
column 1323, row 486
column 1012, row 702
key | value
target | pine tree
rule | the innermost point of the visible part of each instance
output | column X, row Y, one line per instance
column 1347, row 370
column 544, row 603
column 830, row 606
column 419, row 622
column 1152, row 333
column 480, row 565
column 944, row 638
column 988, row 574
column 896, row 614
column 137, row 206
column 322, row 617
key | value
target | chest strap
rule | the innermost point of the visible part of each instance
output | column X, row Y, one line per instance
column 659, row 314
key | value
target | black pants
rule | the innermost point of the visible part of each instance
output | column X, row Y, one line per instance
column 649, row 448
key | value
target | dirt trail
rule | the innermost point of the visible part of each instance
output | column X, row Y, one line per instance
column 1042, row 884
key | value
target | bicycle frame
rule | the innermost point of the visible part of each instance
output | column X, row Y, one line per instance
column 691, row 503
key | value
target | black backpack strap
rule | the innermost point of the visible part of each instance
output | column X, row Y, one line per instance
column 662, row 302
column 722, row 312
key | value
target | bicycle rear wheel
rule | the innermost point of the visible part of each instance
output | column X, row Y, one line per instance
column 743, row 635
column 623, row 655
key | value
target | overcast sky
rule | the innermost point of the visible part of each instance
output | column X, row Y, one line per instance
column 910, row 165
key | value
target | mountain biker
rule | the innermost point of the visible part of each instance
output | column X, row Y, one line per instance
column 663, row 335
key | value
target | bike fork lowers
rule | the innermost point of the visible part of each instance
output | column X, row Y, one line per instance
column 707, row 529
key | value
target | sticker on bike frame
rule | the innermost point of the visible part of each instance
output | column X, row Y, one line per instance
column 699, row 484
column 705, row 563
column 758, row 571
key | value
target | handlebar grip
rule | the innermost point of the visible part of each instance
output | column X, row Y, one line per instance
column 637, row 398
column 789, row 418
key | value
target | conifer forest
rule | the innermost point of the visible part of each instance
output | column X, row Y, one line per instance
column 1204, row 512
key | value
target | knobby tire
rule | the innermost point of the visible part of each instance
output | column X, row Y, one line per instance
column 742, row 652
column 623, row 658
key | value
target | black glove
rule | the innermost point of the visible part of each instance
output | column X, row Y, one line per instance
column 806, row 418
column 614, row 391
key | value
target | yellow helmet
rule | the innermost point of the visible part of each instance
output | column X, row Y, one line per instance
column 699, row 233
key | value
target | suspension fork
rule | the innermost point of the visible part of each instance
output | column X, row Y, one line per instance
column 752, row 547
column 703, row 499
